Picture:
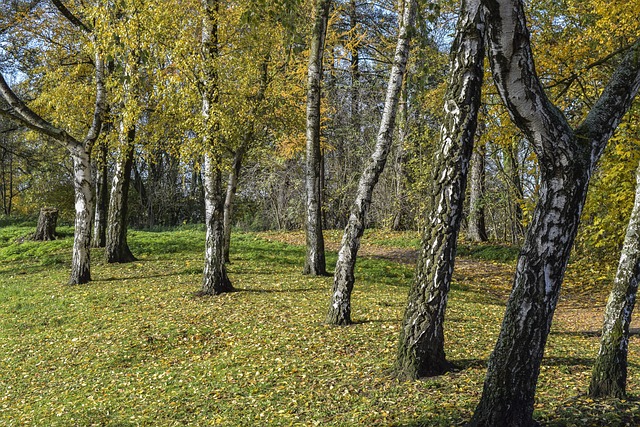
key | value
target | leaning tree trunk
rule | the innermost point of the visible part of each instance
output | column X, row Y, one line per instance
column 47, row 221
column 232, row 185
column 477, row 229
column 99, row 238
column 515, row 363
column 609, row 377
column 116, row 248
column 315, row 263
column 567, row 159
column 421, row 344
column 340, row 306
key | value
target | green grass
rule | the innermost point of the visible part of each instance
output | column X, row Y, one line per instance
column 489, row 252
column 135, row 347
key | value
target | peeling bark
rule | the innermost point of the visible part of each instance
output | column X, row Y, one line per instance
column 340, row 305
column 566, row 158
column 315, row 263
column 421, row 344
column 609, row 376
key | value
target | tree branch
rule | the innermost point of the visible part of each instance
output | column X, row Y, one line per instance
column 29, row 118
column 70, row 16
column 614, row 102
column 516, row 79
column 100, row 106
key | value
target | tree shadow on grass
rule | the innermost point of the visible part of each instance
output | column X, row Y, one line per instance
column 187, row 272
column 584, row 411
column 576, row 412
column 275, row 291
column 597, row 333
column 365, row 321
column 451, row 419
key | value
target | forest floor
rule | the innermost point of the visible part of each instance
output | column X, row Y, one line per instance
column 580, row 308
column 137, row 347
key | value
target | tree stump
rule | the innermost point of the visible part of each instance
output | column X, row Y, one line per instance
column 46, row 224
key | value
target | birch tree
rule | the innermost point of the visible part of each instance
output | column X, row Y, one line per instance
column 421, row 344
column 215, row 280
column 344, row 279
column 315, row 263
column 79, row 149
column 609, row 376
column 567, row 157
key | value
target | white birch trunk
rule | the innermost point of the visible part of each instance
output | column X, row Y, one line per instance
column 421, row 344
column 81, row 155
column 340, row 304
column 83, row 188
column 567, row 159
column 609, row 377
column 214, row 280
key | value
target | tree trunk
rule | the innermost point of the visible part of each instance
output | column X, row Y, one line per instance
column 80, row 152
column 214, row 280
column 516, row 195
column 232, row 186
column 567, row 159
column 609, row 377
column 145, row 201
column 477, row 230
column 6, row 188
column 399, row 167
column 99, row 239
column 421, row 344
column 83, row 186
column 340, row 306
column 116, row 248
column 315, row 263
column 354, row 67
column 47, row 221
column 515, row 363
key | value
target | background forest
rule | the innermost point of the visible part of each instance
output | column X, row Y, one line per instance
column 153, row 61
column 141, row 120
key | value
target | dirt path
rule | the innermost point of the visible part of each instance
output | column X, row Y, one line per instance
column 576, row 312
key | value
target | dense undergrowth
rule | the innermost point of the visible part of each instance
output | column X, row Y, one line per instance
column 136, row 347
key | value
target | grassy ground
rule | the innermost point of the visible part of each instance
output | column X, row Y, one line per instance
column 136, row 347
